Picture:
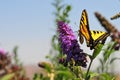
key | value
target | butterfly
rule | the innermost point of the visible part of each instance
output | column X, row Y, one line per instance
column 92, row 37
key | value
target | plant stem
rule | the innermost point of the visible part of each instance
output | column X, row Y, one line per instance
column 86, row 77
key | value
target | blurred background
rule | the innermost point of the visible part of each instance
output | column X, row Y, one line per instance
column 30, row 24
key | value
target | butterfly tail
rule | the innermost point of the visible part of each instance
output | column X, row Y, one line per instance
column 81, row 38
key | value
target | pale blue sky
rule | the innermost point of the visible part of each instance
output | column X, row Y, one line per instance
column 29, row 23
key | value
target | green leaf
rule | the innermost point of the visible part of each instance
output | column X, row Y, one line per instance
column 48, row 67
column 66, row 74
column 68, row 8
column 78, row 79
column 88, row 77
column 37, row 77
column 113, row 59
column 108, row 51
column 15, row 58
column 93, row 74
column 106, row 76
column 97, row 50
column 8, row 76
column 54, row 43
column 101, row 61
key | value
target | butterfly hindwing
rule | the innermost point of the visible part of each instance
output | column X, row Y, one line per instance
column 97, row 34
column 98, row 37
column 92, row 37
column 81, row 39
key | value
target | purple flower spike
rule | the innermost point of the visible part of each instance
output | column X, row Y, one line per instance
column 70, row 46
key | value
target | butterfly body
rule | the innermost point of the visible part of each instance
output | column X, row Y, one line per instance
column 92, row 37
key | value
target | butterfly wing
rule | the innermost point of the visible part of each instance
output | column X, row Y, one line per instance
column 97, row 37
column 84, row 29
column 92, row 37
column 81, row 39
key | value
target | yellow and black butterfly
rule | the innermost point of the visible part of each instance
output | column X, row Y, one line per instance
column 92, row 37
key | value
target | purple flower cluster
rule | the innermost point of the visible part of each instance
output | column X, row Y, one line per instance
column 70, row 46
column 2, row 51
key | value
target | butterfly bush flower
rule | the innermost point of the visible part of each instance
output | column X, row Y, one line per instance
column 70, row 46
column 2, row 51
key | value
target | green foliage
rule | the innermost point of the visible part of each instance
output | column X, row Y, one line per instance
column 114, row 59
column 64, row 75
column 7, row 77
column 106, row 76
column 103, row 76
column 93, row 75
column 109, row 50
column 40, row 77
column 62, row 11
column 15, row 57
column 97, row 50
column 106, row 60
column 17, row 60
column 58, row 73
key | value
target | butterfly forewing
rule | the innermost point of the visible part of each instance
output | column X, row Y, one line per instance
column 84, row 27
